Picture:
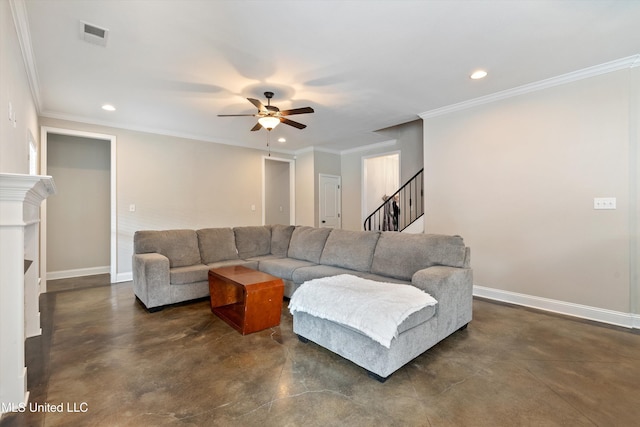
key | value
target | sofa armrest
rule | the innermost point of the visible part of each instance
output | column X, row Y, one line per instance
column 151, row 279
column 452, row 287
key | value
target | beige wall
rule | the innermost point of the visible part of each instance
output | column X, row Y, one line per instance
column 305, row 192
column 178, row 183
column 277, row 197
column 516, row 178
column 409, row 141
column 14, row 89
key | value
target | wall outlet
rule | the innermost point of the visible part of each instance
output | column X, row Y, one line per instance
column 132, row 207
column 604, row 203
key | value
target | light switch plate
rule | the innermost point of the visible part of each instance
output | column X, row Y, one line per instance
column 604, row 203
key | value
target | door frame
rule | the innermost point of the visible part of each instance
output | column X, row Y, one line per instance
column 292, row 187
column 363, row 184
column 320, row 195
column 44, row 133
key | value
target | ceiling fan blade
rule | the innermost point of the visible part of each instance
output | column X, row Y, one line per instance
column 303, row 110
column 236, row 115
column 292, row 123
column 258, row 104
column 258, row 126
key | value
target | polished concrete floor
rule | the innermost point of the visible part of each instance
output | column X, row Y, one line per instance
column 111, row 363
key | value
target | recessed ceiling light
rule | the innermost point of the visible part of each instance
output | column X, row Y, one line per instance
column 282, row 140
column 478, row 74
column 108, row 107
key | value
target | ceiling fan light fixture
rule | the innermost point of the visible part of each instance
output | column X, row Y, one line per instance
column 269, row 122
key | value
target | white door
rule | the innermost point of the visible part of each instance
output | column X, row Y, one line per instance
column 329, row 200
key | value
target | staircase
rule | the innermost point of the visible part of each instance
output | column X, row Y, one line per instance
column 410, row 202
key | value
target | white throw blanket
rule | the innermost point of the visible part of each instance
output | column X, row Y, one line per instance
column 374, row 308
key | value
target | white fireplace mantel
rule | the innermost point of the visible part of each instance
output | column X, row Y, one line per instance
column 20, row 199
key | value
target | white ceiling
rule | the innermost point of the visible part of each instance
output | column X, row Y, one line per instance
column 170, row 66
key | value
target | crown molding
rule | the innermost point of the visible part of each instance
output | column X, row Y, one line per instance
column 326, row 150
column 21, row 22
column 370, row 147
column 608, row 67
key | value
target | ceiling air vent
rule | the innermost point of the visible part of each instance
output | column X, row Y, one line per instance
column 93, row 34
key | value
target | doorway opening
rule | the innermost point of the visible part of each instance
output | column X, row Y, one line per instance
column 80, row 159
column 278, row 191
column 380, row 177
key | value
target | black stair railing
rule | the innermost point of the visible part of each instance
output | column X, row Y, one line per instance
column 408, row 206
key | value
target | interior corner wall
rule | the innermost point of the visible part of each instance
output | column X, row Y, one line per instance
column 634, row 191
column 14, row 90
column 517, row 179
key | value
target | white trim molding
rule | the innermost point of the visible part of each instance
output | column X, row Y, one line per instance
column 376, row 145
column 124, row 277
column 21, row 22
column 78, row 272
column 44, row 132
column 627, row 320
column 608, row 67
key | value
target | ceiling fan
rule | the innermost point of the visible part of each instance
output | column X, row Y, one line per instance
column 270, row 116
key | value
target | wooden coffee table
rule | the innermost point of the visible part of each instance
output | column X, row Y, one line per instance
column 248, row 300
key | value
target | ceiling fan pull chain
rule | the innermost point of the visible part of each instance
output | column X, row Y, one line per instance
column 269, row 141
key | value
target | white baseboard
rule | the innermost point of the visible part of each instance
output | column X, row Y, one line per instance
column 66, row 274
column 627, row 320
column 124, row 277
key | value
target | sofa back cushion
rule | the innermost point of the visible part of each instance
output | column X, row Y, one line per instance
column 400, row 255
column 350, row 249
column 253, row 241
column 217, row 244
column 180, row 246
column 280, row 238
column 307, row 243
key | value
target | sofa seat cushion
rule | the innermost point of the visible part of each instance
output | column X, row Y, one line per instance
column 307, row 243
column 217, row 244
column 400, row 255
column 350, row 249
column 249, row 264
column 417, row 318
column 253, row 240
column 375, row 309
column 414, row 319
column 303, row 274
column 189, row 274
column 381, row 278
column 264, row 258
column 180, row 246
column 283, row 267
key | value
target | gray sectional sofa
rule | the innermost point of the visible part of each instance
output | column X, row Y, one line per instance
column 171, row 266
